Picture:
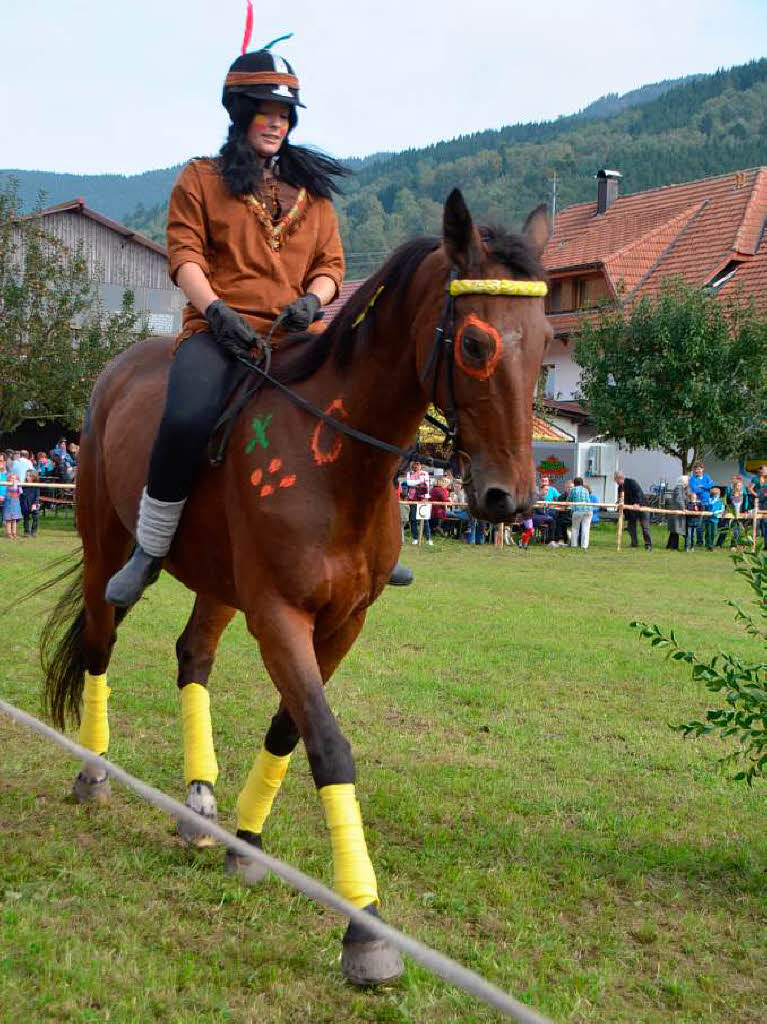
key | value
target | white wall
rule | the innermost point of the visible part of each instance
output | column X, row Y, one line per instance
column 650, row 467
column 566, row 372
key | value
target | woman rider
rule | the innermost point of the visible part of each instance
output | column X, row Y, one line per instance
column 250, row 235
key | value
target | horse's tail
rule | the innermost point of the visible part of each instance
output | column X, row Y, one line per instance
column 61, row 648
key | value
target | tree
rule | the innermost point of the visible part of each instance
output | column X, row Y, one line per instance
column 685, row 373
column 55, row 337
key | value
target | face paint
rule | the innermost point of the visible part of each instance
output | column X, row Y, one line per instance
column 270, row 122
column 489, row 345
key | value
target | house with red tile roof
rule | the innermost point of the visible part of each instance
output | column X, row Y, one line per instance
column 710, row 232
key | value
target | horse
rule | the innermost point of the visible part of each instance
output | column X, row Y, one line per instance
column 280, row 532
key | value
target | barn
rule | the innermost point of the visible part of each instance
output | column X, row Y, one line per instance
column 119, row 258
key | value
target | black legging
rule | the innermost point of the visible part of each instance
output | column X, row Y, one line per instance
column 201, row 378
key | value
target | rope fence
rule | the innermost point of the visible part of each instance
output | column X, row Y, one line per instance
column 453, row 973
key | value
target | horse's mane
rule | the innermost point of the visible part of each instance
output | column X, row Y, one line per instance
column 301, row 355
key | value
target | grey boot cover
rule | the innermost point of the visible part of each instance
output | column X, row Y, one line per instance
column 157, row 524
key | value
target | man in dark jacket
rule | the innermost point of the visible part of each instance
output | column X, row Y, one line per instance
column 631, row 494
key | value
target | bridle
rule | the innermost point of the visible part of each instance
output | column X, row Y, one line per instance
column 442, row 350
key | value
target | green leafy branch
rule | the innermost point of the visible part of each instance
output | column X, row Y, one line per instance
column 744, row 716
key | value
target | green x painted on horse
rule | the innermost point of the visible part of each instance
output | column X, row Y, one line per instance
column 260, row 426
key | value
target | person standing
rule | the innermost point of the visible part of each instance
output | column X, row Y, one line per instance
column 739, row 503
column 676, row 524
column 582, row 511
column 700, row 484
column 30, row 503
column 12, row 507
column 417, row 481
column 632, row 496
column 712, row 522
column 758, row 491
column 3, row 478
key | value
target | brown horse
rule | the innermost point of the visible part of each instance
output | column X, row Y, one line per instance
column 283, row 532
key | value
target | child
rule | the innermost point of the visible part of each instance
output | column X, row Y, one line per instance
column 12, row 507
column 691, row 522
column 527, row 533
column 716, row 507
column 30, row 503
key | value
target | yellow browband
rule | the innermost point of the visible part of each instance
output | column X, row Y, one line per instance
column 504, row 286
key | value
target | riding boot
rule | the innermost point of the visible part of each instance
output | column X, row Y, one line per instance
column 401, row 576
column 157, row 523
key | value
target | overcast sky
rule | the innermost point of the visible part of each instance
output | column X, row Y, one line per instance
column 91, row 86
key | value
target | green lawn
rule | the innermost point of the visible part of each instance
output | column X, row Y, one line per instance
column 528, row 810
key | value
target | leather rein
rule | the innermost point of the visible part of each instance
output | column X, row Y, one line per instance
column 442, row 350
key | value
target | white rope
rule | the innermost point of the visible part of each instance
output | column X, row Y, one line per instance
column 446, row 968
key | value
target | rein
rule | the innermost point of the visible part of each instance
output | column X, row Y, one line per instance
column 443, row 346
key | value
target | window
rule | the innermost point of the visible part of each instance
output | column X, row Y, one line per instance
column 549, row 375
column 554, row 300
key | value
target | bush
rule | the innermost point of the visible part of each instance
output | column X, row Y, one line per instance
column 744, row 715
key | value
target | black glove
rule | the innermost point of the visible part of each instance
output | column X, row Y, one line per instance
column 299, row 314
column 229, row 329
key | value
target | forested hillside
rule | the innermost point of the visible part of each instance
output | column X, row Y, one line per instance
column 668, row 132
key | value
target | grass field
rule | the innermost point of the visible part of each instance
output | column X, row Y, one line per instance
column 528, row 810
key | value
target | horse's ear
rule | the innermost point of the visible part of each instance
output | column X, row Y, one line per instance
column 461, row 239
column 537, row 229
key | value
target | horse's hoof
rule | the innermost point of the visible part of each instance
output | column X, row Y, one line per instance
column 248, row 870
column 200, row 799
column 366, row 960
column 91, row 786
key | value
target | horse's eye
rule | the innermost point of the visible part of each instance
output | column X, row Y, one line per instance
column 474, row 347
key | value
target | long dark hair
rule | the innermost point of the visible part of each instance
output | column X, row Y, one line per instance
column 242, row 168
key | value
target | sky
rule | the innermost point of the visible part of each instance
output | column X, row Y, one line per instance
column 103, row 87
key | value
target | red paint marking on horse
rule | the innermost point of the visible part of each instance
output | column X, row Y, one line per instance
column 266, row 490
column 322, row 458
column 255, row 477
column 288, row 481
column 275, row 465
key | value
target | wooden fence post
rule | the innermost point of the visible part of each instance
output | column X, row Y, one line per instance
column 756, row 523
column 620, row 525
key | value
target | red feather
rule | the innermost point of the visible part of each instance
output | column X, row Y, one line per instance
column 248, row 28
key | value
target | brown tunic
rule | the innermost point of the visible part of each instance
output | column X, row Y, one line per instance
column 253, row 264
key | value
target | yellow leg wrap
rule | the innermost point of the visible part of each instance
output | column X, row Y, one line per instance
column 199, row 756
column 94, row 722
column 353, row 873
column 255, row 801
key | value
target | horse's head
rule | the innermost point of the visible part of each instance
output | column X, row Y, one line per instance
column 498, row 344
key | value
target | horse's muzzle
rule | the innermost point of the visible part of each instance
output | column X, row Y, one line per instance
column 498, row 505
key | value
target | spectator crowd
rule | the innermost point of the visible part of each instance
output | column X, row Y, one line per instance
column 435, row 505
column 20, row 474
column 562, row 515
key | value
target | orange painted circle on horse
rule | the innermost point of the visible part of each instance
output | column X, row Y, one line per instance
column 485, row 370
column 323, row 458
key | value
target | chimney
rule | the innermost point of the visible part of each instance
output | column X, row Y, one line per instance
column 607, row 189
